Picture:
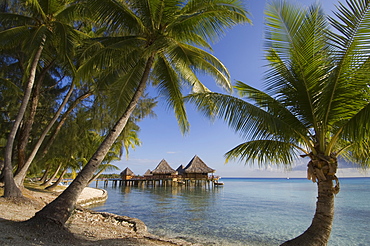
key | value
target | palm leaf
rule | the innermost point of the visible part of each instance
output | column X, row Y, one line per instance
column 169, row 86
column 264, row 152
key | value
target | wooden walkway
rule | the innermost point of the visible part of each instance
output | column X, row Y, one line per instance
column 154, row 181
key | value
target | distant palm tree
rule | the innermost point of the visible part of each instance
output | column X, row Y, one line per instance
column 316, row 104
column 161, row 39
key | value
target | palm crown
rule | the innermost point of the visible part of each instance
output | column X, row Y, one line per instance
column 46, row 23
column 175, row 33
column 317, row 89
column 316, row 101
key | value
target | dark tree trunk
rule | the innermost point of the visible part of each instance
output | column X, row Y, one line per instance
column 59, row 210
column 1, row 171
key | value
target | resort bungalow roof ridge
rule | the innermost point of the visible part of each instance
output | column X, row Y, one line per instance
column 127, row 172
column 196, row 165
column 163, row 168
column 180, row 169
column 148, row 173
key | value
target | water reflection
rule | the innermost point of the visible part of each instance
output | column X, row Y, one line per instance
column 181, row 203
column 243, row 212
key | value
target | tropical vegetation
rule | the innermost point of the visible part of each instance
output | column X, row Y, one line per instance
column 315, row 103
column 94, row 59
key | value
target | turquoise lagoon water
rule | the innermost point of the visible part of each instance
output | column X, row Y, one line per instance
column 244, row 211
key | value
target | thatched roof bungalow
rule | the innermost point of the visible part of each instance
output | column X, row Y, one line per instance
column 127, row 174
column 197, row 169
column 164, row 169
column 180, row 170
column 148, row 173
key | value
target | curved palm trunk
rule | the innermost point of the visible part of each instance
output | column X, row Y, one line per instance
column 10, row 188
column 48, row 182
column 62, row 207
column 56, row 183
column 319, row 231
column 20, row 176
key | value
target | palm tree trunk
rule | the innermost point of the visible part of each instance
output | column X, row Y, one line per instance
column 95, row 176
column 48, row 182
column 28, row 123
column 62, row 121
column 10, row 188
column 45, row 175
column 62, row 207
column 56, row 183
column 24, row 132
column 319, row 232
column 1, row 171
column 20, row 176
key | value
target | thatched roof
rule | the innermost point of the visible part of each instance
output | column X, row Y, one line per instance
column 196, row 165
column 127, row 172
column 180, row 169
column 148, row 173
column 163, row 168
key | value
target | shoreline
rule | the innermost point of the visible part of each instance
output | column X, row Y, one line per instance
column 85, row 227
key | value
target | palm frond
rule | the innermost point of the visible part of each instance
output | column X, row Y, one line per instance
column 11, row 37
column 12, row 20
column 124, row 87
column 276, row 108
column 359, row 153
column 116, row 15
column 350, row 77
column 202, row 62
column 103, row 58
column 357, row 128
column 169, row 86
column 209, row 19
column 250, row 121
column 36, row 8
column 298, row 56
column 264, row 152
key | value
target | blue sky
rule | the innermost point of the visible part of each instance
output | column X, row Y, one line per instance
column 241, row 51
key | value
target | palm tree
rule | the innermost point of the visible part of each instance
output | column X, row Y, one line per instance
column 41, row 28
column 316, row 102
column 161, row 39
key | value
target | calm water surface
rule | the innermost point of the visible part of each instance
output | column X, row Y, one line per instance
column 244, row 211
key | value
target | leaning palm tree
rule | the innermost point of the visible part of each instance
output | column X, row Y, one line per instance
column 316, row 103
column 42, row 29
column 161, row 39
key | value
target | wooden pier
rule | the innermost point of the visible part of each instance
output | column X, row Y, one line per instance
column 157, row 181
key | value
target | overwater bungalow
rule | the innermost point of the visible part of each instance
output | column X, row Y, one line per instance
column 195, row 173
column 148, row 173
column 197, row 169
column 180, row 170
column 127, row 174
column 163, row 170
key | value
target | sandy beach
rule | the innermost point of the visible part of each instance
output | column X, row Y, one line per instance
column 85, row 227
